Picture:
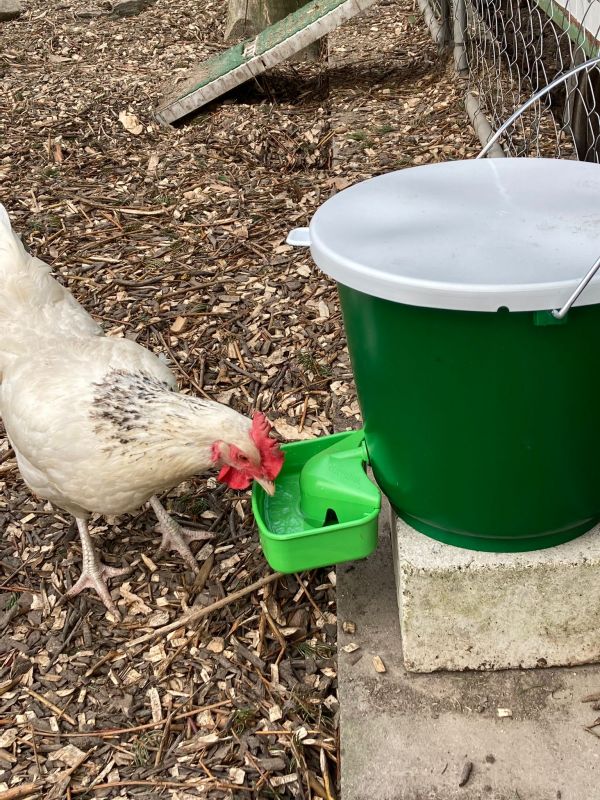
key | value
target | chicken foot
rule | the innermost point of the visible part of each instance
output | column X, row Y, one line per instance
column 94, row 573
column 174, row 536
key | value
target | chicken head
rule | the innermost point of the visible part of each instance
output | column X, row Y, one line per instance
column 259, row 458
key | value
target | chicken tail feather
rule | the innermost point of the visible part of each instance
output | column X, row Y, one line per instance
column 32, row 303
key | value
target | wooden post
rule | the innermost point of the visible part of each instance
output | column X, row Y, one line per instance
column 247, row 18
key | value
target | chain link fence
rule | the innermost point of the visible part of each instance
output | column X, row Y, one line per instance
column 507, row 50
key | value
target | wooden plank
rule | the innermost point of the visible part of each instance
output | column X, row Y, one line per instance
column 579, row 19
column 223, row 72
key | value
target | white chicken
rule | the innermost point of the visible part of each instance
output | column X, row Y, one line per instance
column 96, row 422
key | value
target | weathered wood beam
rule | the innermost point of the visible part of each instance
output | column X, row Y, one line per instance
column 220, row 74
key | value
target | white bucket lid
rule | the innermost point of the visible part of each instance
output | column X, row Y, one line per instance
column 479, row 235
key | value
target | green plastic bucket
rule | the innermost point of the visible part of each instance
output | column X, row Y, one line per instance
column 480, row 408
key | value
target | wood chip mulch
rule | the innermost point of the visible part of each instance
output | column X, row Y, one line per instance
column 176, row 238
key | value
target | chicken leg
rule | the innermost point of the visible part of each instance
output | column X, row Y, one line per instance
column 94, row 573
column 174, row 537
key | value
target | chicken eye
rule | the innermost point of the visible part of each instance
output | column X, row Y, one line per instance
column 243, row 459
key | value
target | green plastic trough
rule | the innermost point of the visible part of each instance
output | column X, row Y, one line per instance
column 324, row 509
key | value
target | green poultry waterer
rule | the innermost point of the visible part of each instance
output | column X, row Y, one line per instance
column 481, row 406
column 324, row 509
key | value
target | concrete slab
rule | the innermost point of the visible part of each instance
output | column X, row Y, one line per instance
column 461, row 609
column 408, row 736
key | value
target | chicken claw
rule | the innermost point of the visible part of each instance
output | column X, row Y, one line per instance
column 94, row 573
column 174, row 537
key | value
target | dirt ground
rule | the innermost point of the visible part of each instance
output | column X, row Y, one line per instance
column 176, row 238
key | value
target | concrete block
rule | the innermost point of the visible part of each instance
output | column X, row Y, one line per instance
column 409, row 736
column 461, row 609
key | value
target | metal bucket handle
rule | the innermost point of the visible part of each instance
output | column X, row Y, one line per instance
column 562, row 312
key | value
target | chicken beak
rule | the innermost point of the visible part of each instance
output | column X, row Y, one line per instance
column 268, row 486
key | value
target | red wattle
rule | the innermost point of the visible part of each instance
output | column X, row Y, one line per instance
column 234, row 478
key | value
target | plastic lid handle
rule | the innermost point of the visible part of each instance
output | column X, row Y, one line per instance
column 299, row 237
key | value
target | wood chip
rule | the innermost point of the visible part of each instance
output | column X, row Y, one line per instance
column 69, row 755
column 179, row 325
column 282, row 780
column 21, row 792
column 131, row 123
column 237, row 776
column 465, row 773
column 199, row 743
column 378, row 664
column 8, row 737
column 216, row 645
column 155, row 704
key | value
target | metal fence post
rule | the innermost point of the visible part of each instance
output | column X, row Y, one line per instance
column 460, row 37
column 436, row 14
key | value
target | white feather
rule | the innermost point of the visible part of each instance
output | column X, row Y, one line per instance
column 33, row 306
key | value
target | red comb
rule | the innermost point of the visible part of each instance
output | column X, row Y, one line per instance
column 271, row 456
